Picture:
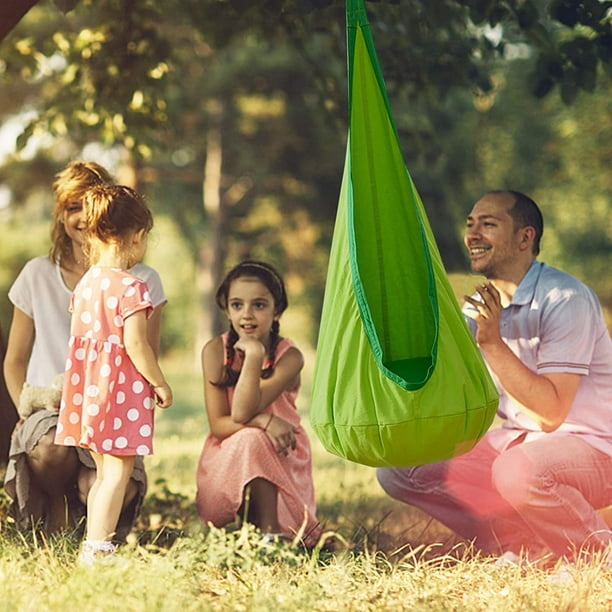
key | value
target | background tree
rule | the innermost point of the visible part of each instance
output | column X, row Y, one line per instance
column 232, row 114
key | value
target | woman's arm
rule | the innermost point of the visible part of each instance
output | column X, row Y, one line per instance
column 19, row 346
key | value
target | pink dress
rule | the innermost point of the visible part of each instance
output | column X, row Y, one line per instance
column 107, row 405
column 227, row 466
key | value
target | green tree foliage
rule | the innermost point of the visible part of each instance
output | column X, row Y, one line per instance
column 560, row 155
column 110, row 61
column 571, row 39
column 262, row 84
column 98, row 73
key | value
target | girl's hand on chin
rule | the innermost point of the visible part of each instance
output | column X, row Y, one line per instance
column 250, row 346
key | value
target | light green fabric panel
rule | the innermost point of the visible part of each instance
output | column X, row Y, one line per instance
column 398, row 377
column 392, row 271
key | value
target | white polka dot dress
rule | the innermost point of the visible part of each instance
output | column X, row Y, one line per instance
column 107, row 405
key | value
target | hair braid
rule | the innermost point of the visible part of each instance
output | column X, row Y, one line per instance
column 230, row 376
column 274, row 340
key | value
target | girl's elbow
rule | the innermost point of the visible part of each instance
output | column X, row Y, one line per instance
column 242, row 412
column 218, row 432
column 131, row 350
column 137, row 351
column 241, row 419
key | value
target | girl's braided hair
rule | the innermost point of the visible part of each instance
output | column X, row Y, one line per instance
column 273, row 281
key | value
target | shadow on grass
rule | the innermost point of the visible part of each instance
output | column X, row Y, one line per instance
column 372, row 525
column 389, row 527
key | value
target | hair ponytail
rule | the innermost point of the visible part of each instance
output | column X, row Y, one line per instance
column 229, row 377
column 112, row 213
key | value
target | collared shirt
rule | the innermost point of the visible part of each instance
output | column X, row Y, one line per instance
column 554, row 323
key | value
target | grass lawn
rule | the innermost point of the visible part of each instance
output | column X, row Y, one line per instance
column 401, row 560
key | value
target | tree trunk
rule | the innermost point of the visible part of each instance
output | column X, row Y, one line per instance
column 11, row 12
column 213, row 251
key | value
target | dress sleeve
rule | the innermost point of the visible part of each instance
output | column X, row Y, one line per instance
column 135, row 298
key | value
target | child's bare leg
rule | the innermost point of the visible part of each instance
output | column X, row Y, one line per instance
column 87, row 478
column 105, row 499
column 263, row 505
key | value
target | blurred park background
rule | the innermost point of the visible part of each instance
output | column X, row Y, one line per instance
column 230, row 116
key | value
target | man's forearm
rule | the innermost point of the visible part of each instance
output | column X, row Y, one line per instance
column 536, row 394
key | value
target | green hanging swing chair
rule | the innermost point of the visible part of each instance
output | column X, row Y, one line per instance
column 398, row 377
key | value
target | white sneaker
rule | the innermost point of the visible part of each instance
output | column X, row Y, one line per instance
column 273, row 538
column 508, row 559
column 94, row 551
column 562, row 575
column 87, row 555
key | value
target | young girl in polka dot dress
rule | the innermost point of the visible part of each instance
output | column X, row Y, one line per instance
column 112, row 376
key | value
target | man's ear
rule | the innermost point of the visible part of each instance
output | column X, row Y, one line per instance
column 527, row 236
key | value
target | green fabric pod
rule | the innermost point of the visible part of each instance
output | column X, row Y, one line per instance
column 398, row 377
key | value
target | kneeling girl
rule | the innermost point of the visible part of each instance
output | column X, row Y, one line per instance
column 256, row 461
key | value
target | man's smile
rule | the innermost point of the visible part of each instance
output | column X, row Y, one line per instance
column 479, row 250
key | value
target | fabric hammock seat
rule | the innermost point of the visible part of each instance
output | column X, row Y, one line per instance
column 398, row 379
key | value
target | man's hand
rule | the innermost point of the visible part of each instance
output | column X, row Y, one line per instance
column 487, row 314
column 546, row 398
